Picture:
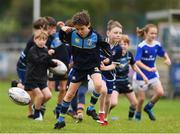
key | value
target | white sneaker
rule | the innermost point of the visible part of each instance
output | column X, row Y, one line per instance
column 40, row 118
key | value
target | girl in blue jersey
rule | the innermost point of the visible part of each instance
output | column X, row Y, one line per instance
column 85, row 44
column 146, row 54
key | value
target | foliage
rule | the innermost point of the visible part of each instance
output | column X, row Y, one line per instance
column 131, row 13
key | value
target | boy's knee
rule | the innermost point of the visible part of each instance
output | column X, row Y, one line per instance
column 160, row 93
column 48, row 96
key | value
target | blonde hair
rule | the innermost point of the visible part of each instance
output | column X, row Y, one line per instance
column 112, row 24
column 141, row 32
column 125, row 38
column 40, row 34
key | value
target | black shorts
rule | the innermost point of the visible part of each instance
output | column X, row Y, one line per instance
column 123, row 87
column 29, row 86
column 81, row 75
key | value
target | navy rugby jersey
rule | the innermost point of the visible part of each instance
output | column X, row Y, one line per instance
column 116, row 51
column 122, row 68
column 61, row 51
column 22, row 59
column 86, row 51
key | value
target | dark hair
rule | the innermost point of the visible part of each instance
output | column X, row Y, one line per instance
column 141, row 32
column 112, row 24
column 40, row 23
column 51, row 21
column 69, row 23
column 81, row 18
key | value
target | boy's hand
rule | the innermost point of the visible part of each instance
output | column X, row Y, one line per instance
column 167, row 61
column 106, row 61
column 152, row 69
column 51, row 52
column 60, row 23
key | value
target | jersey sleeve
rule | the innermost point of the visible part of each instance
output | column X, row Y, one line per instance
column 138, row 54
column 160, row 51
column 105, row 47
column 65, row 37
column 132, row 60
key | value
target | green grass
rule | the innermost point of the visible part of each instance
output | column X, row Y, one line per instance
column 13, row 118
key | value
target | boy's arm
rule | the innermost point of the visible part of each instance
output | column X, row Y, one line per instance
column 167, row 59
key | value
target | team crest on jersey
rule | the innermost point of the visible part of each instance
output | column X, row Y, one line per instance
column 96, row 69
column 89, row 42
column 73, row 78
column 113, row 52
column 77, row 40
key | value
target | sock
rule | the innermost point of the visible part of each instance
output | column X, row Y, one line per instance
column 36, row 113
column 138, row 115
column 64, row 109
column 65, row 106
column 131, row 111
column 61, row 118
column 91, row 107
column 150, row 105
column 94, row 98
column 58, row 107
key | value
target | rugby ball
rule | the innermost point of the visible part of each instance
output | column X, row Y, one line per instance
column 60, row 69
column 19, row 96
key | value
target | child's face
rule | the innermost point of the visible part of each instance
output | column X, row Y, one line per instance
column 114, row 34
column 40, row 41
column 51, row 30
column 124, row 46
column 151, row 34
column 82, row 30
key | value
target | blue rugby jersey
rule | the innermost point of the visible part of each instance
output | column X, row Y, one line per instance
column 116, row 51
column 86, row 51
column 122, row 68
column 61, row 51
column 23, row 56
column 147, row 55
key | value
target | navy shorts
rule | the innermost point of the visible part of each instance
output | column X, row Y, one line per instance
column 21, row 74
column 109, row 85
column 76, row 75
column 123, row 87
column 29, row 86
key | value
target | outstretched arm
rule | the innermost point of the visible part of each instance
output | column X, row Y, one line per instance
column 136, row 68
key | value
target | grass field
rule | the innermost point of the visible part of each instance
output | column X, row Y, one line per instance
column 13, row 119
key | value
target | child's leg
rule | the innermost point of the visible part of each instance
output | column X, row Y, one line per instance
column 114, row 99
column 73, row 87
column 61, row 94
column 133, row 101
column 62, row 91
column 90, row 109
column 81, row 100
column 100, row 87
column 141, row 98
column 51, row 85
column 159, row 92
column 38, row 100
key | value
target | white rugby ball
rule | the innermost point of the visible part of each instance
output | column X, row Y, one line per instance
column 19, row 96
column 60, row 69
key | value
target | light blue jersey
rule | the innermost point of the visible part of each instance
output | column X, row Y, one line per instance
column 147, row 55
